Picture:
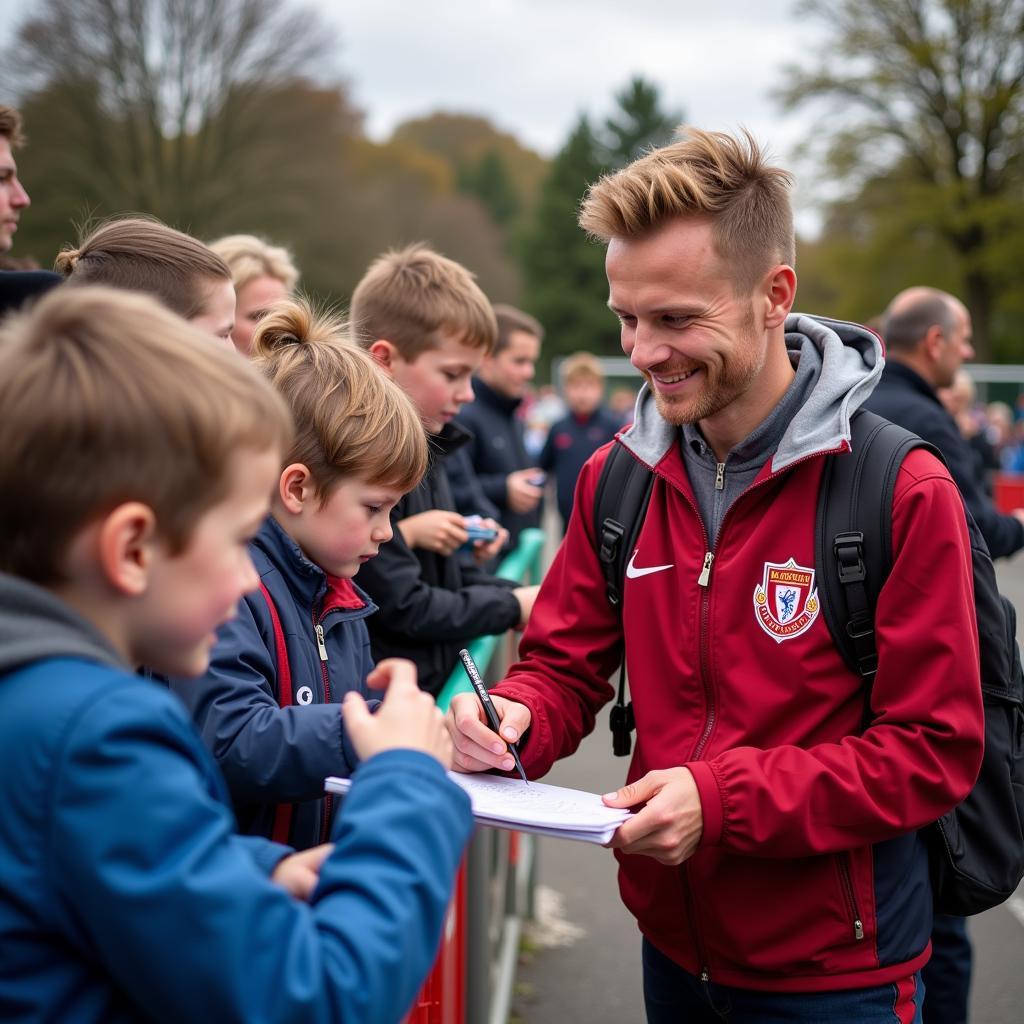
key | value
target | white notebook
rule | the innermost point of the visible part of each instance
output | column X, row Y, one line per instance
column 546, row 810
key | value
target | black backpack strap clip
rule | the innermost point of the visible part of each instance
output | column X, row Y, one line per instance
column 854, row 531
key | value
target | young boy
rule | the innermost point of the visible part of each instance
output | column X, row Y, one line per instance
column 575, row 437
column 428, row 325
column 267, row 706
column 137, row 461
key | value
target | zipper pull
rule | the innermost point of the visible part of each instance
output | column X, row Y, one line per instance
column 858, row 929
column 705, row 572
column 720, row 477
column 320, row 642
column 705, row 975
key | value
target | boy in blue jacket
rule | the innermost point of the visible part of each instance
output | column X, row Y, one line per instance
column 268, row 704
column 587, row 426
column 136, row 464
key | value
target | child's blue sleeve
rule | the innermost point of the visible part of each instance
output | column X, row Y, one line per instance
column 265, row 853
column 268, row 754
column 166, row 908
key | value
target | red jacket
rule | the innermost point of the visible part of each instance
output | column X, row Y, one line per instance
column 810, row 874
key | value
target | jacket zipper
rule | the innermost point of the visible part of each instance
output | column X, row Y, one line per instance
column 851, row 898
column 328, row 800
column 704, row 581
column 705, row 971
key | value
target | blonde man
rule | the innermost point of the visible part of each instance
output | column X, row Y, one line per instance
column 262, row 274
column 774, row 865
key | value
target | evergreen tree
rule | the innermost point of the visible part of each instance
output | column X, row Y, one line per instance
column 566, row 288
column 639, row 123
column 489, row 180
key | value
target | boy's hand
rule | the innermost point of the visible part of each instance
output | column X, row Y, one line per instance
column 670, row 825
column 436, row 530
column 477, row 749
column 526, row 597
column 485, row 550
column 522, row 495
column 299, row 872
column 407, row 718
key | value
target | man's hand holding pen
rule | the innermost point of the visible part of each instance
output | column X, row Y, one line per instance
column 477, row 747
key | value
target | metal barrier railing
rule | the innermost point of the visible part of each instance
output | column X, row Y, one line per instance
column 500, row 866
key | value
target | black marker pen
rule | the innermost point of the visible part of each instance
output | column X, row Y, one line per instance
column 489, row 709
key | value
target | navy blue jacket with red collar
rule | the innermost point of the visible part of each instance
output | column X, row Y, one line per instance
column 570, row 442
column 273, row 755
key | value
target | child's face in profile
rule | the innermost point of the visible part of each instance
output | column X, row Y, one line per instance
column 349, row 528
column 190, row 594
column 439, row 380
column 583, row 395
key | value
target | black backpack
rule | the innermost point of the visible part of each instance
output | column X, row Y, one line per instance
column 976, row 850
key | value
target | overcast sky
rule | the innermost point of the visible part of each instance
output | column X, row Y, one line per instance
column 532, row 66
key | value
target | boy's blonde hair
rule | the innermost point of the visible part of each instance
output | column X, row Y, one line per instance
column 144, row 255
column 249, row 257
column 411, row 296
column 704, row 174
column 350, row 418
column 106, row 397
column 580, row 366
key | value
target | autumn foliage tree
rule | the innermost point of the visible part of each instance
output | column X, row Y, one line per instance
column 926, row 114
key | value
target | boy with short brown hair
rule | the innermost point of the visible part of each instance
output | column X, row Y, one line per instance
column 138, row 459
column 428, row 325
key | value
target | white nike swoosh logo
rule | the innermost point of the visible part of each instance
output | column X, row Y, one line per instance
column 633, row 573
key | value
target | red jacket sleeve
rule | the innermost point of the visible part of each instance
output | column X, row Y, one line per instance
column 572, row 643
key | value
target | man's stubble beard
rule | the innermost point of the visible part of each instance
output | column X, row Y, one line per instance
column 735, row 379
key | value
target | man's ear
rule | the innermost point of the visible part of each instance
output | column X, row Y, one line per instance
column 778, row 295
column 932, row 343
column 127, row 541
column 385, row 354
column 295, row 487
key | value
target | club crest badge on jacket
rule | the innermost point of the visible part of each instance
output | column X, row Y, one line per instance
column 785, row 601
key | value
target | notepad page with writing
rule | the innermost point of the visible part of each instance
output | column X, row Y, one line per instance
column 548, row 810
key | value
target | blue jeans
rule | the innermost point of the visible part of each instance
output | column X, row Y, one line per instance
column 947, row 976
column 674, row 996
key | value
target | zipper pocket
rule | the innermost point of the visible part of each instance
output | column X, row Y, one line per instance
column 845, row 860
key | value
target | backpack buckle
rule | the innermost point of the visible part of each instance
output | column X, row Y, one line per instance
column 848, row 548
column 622, row 723
column 611, row 537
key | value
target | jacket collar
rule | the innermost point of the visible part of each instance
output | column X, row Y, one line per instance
column 897, row 371
column 488, row 396
column 451, row 437
column 306, row 581
column 35, row 624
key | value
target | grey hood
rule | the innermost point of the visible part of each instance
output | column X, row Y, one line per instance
column 34, row 624
column 851, row 360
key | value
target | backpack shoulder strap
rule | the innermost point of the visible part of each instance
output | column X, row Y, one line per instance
column 282, row 827
column 853, row 542
column 620, row 503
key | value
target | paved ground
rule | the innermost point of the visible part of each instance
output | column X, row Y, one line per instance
column 596, row 978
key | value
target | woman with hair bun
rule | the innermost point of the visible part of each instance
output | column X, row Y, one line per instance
column 262, row 274
column 144, row 255
column 268, row 704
